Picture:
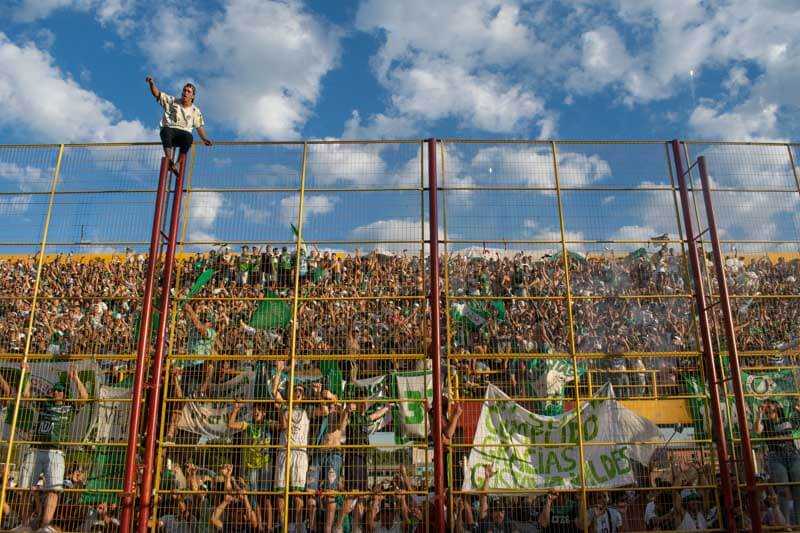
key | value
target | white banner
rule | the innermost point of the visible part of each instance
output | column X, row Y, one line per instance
column 413, row 388
column 112, row 416
column 210, row 419
column 507, row 436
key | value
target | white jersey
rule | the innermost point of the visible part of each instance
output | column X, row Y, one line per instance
column 300, row 425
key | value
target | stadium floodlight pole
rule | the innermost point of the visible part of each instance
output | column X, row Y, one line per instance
column 151, row 422
column 130, row 472
column 723, row 458
column 733, row 353
column 436, row 341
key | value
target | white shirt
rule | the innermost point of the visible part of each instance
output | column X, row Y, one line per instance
column 600, row 523
column 691, row 524
column 179, row 117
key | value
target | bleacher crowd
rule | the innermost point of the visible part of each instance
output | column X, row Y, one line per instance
column 506, row 322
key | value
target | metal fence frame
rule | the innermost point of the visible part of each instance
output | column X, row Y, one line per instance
column 686, row 206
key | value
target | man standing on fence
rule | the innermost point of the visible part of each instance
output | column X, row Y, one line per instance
column 179, row 118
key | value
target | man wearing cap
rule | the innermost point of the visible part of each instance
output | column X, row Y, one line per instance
column 689, row 514
column 383, row 517
column 492, row 511
column 495, row 520
column 46, row 456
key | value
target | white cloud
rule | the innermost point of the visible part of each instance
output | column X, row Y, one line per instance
column 604, row 59
column 21, row 179
column 553, row 236
column 533, row 166
column 401, row 229
column 116, row 12
column 171, row 55
column 379, row 126
column 24, row 178
column 737, row 79
column 14, row 205
column 38, row 97
column 253, row 214
column 746, row 122
column 204, row 210
column 463, row 71
column 349, row 164
column 634, row 233
column 262, row 62
column 433, row 89
column 313, row 205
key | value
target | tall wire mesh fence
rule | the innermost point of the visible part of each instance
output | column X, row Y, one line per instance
column 298, row 380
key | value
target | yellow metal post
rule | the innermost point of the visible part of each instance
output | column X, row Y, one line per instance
column 23, row 363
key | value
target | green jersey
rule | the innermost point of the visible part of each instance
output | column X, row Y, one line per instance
column 200, row 345
column 52, row 427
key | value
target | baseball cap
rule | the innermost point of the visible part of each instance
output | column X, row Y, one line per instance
column 690, row 494
column 59, row 386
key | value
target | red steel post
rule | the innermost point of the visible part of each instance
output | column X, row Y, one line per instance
column 723, row 458
column 733, row 354
column 129, row 479
column 436, row 342
column 146, row 494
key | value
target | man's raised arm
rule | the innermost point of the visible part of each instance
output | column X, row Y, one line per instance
column 153, row 89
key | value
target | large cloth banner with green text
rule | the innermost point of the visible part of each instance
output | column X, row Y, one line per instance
column 210, row 419
column 415, row 388
column 519, row 444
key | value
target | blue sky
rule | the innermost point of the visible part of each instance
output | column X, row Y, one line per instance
column 73, row 71
column 378, row 69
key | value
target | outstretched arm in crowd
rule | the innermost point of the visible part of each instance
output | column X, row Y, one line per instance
column 379, row 413
column 5, row 388
column 544, row 516
column 252, row 516
column 276, row 381
column 452, row 424
column 196, row 322
column 25, row 375
column 374, row 506
column 488, row 468
column 76, row 379
column 236, row 425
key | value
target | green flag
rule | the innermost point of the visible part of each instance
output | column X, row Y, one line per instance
column 580, row 258
column 271, row 313
column 500, row 307
column 202, row 279
column 333, row 376
column 638, row 254
column 476, row 314
column 155, row 316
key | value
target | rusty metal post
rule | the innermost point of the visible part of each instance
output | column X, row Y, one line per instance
column 129, row 479
column 436, row 342
column 733, row 353
column 151, row 422
column 709, row 363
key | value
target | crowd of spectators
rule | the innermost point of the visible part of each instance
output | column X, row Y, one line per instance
column 507, row 321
